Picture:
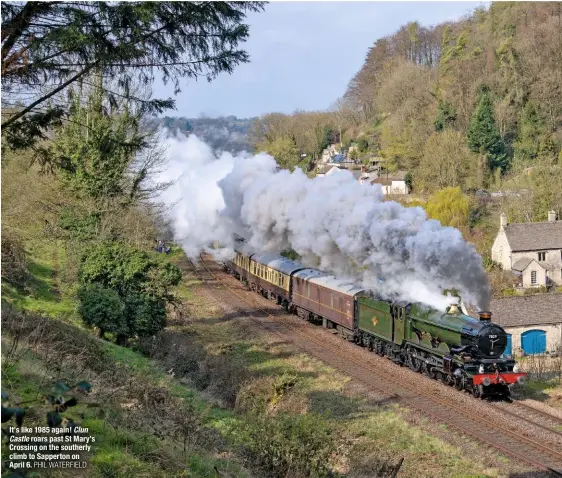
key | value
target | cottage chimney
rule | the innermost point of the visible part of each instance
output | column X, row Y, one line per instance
column 551, row 216
column 503, row 220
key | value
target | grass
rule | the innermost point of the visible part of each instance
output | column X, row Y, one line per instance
column 233, row 375
column 547, row 391
column 45, row 293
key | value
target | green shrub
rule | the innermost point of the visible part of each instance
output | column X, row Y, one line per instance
column 102, row 308
column 509, row 292
column 124, row 291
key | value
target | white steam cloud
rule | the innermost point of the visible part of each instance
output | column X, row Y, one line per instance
column 334, row 223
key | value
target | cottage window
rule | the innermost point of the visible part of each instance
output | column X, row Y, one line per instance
column 542, row 256
column 533, row 277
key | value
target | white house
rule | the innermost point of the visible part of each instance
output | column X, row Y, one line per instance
column 393, row 184
column 531, row 250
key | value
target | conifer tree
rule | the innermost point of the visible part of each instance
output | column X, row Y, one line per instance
column 483, row 134
column 48, row 46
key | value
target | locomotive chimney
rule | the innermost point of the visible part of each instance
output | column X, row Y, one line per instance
column 485, row 315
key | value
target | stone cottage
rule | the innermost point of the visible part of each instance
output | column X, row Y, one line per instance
column 531, row 250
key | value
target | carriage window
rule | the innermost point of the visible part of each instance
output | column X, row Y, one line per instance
column 341, row 303
column 308, row 290
column 331, row 301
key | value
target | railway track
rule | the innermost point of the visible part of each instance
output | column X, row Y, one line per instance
column 429, row 402
column 533, row 416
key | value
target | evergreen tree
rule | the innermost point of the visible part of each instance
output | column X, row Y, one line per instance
column 48, row 46
column 483, row 134
column 531, row 125
column 446, row 115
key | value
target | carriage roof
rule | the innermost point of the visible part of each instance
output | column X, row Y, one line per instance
column 314, row 276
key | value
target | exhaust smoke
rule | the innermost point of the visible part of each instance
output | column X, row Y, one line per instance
column 334, row 223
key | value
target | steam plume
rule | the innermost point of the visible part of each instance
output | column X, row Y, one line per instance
column 333, row 222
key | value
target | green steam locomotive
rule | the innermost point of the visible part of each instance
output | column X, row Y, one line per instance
column 460, row 350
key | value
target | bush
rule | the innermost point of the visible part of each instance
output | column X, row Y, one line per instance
column 14, row 264
column 124, row 291
column 102, row 308
column 288, row 445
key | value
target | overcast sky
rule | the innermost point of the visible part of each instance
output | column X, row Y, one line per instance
column 303, row 54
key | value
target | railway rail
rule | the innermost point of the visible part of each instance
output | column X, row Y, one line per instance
column 429, row 402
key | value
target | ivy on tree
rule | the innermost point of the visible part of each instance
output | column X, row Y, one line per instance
column 48, row 46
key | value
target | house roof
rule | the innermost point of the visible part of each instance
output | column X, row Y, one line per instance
column 382, row 179
column 522, row 264
column 538, row 309
column 326, row 168
column 534, row 236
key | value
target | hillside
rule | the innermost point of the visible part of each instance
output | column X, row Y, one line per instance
column 227, row 133
column 469, row 104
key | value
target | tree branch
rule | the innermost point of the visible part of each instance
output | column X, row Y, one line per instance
column 48, row 95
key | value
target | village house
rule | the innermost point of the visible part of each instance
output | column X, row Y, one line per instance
column 533, row 251
column 534, row 323
column 329, row 169
column 393, row 183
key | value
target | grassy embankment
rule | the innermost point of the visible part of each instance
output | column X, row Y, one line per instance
column 209, row 397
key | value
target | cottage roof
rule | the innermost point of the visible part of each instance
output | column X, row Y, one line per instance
column 382, row 179
column 538, row 309
column 325, row 169
column 522, row 264
column 534, row 236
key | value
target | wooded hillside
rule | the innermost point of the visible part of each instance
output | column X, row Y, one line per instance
column 495, row 78
column 471, row 104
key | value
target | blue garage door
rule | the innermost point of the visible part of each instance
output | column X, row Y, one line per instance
column 533, row 341
column 508, row 346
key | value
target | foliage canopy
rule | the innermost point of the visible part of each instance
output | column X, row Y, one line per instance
column 47, row 46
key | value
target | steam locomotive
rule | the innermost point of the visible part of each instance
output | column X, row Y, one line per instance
column 459, row 350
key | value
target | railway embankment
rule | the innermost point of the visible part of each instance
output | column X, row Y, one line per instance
column 410, row 434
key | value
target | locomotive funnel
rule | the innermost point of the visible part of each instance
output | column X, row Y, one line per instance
column 485, row 315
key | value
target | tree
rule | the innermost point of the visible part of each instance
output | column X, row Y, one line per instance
column 284, row 150
column 48, row 46
column 483, row 134
column 531, row 126
column 446, row 115
column 446, row 162
column 450, row 207
column 102, row 308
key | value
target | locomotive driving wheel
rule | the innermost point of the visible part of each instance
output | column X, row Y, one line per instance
column 414, row 363
column 477, row 391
